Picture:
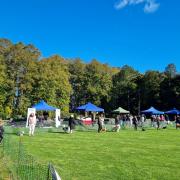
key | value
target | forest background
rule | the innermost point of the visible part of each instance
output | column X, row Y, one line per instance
column 26, row 78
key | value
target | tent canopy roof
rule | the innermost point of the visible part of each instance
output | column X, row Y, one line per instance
column 121, row 111
column 173, row 111
column 90, row 107
column 152, row 110
column 43, row 106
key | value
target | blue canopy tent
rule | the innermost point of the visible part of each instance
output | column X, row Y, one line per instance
column 173, row 111
column 43, row 106
column 90, row 107
column 152, row 110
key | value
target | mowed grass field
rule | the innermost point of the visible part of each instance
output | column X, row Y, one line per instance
column 128, row 154
column 3, row 170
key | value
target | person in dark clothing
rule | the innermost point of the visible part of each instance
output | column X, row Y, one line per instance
column 93, row 118
column 1, row 131
column 71, row 123
column 123, row 121
column 41, row 120
column 152, row 120
column 135, row 122
column 158, row 122
column 138, row 118
column 177, row 122
column 45, row 115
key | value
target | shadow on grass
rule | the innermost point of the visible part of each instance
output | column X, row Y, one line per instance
column 58, row 132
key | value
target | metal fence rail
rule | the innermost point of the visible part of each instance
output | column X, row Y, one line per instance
column 22, row 165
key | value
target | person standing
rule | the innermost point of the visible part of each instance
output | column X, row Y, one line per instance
column 158, row 121
column 41, row 120
column 153, row 119
column 71, row 123
column 162, row 121
column 32, row 124
column 167, row 119
column 177, row 122
column 117, row 123
column 93, row 118
column 135, row 122
column 130, row 118
column 142, row 120
column 100, row 123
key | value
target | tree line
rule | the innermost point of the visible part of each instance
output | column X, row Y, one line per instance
column 26, row 78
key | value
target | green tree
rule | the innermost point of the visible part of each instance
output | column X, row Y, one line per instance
column 21, row 68
column 77, row 80
column 98, row 83
column 125, row 87
column 151, row 89
column 91, row 82
column 3, row 86
column 52, row 83
column 4, row 45
column 170, row 92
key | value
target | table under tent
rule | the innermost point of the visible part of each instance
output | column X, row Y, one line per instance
column 88, row 109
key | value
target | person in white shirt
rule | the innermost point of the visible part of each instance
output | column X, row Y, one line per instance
column 32, row 124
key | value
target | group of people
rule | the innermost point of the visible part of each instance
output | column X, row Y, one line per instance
column 120, row 121
column 99, row 118
column 71, row 123
column 129, row 120
column 157, row 121
column 139, row 121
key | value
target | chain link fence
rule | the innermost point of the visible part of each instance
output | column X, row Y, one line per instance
column 23, row 166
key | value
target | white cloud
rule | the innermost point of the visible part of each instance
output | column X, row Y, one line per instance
column 121, row 4
column 150, row 6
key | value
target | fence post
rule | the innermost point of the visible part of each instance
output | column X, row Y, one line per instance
column 49, row 166
column 3, row 146
column 19, row 156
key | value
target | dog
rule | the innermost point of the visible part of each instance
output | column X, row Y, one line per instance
column 21, row 133
column 66, row 129
column 116, row 128
column 103, row 129
column 177, row 125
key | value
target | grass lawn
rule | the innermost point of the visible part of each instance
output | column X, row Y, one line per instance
column 4, row 174
column 128, row 154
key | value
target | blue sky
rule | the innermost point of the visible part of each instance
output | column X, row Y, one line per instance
column 144, row 34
